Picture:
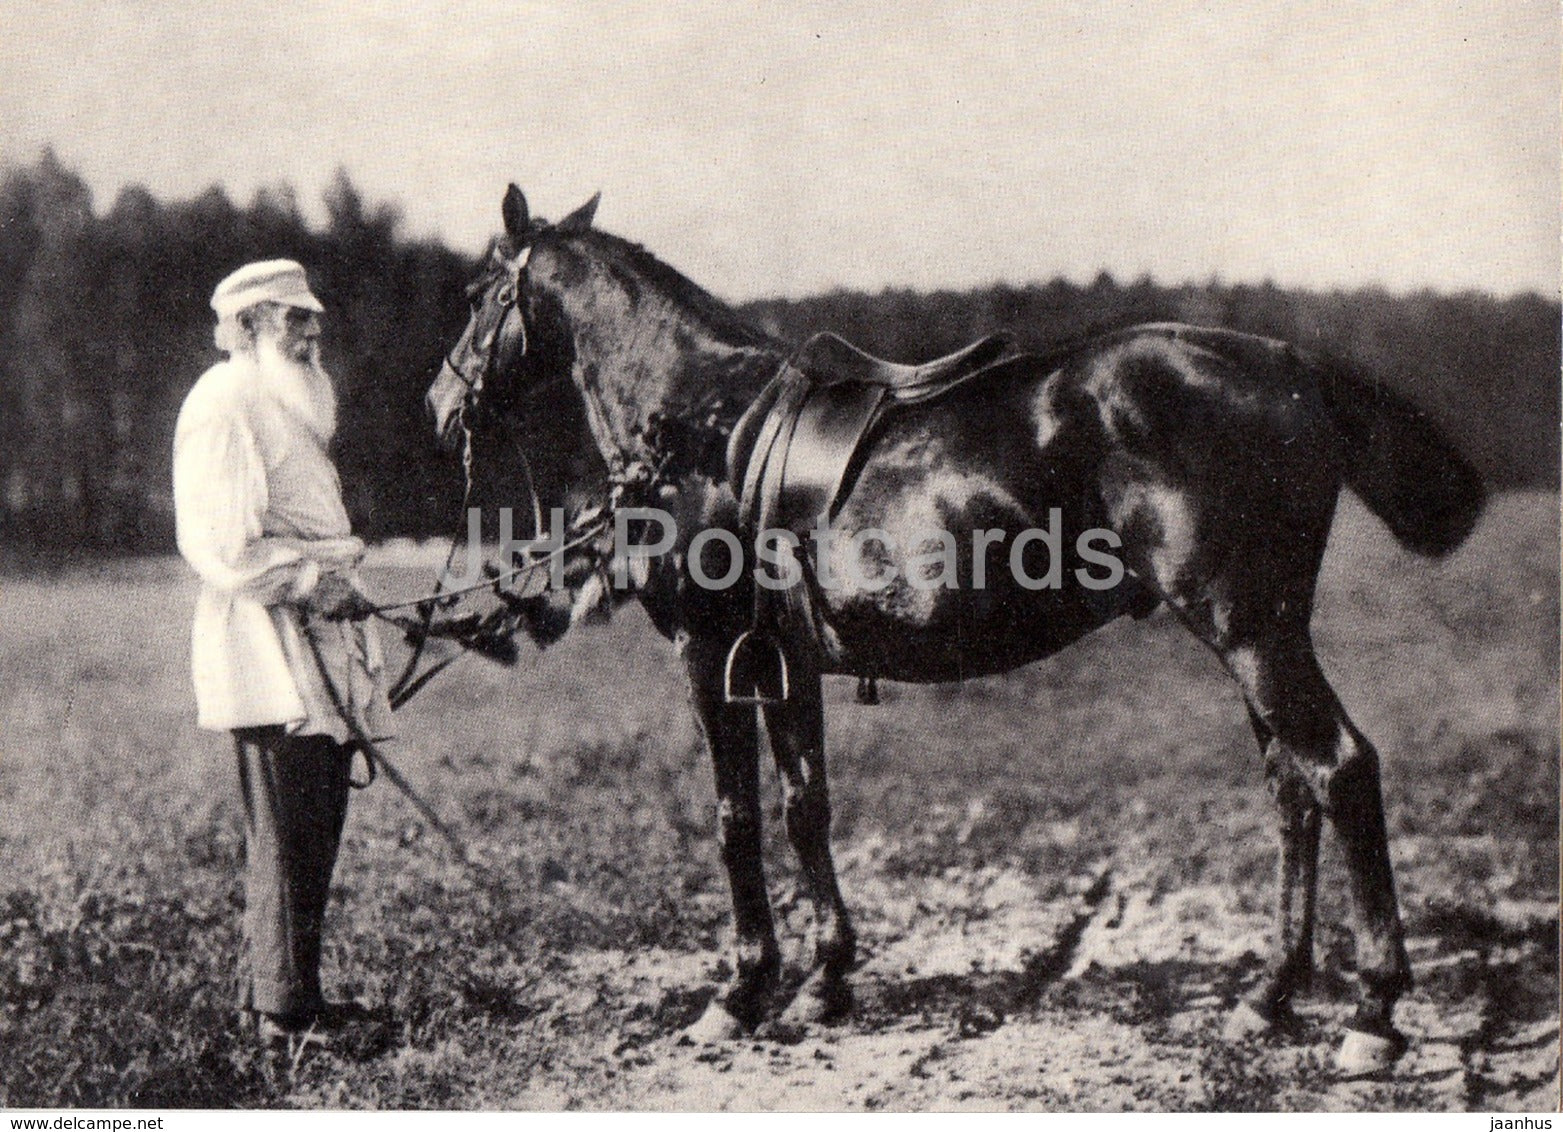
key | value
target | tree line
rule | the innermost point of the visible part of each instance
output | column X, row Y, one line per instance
column 104, row 325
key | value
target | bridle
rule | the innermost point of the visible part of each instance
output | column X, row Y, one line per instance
column 509, row 300
column 622, row 466
column 420, row 629
column 633, row 480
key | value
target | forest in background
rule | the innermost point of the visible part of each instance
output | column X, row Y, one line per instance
column 104, row 325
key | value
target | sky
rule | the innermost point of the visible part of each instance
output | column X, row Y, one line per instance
column 789, row 148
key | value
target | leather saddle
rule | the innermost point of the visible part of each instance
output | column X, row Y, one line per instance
column 792, row 455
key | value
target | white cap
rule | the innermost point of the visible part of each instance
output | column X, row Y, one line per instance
column 269, row 281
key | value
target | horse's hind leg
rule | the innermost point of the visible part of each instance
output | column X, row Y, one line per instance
column 1317, row 749
column 797, row 731
column 731, row 732
column 1291, row 967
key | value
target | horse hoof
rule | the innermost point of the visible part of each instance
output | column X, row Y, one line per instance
column 716, row 1025
column 1363, row 1054
column 820, row 1001
column 1245, row 1023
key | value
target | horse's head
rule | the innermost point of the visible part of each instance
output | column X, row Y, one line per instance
column 497, row 337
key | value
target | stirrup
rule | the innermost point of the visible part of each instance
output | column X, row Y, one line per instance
column 749, row 637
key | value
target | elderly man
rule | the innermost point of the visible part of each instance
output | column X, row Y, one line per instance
column 280, row 650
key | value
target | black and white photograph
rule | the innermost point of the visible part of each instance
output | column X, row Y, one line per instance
column 684, row 558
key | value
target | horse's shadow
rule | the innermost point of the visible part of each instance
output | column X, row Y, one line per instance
column 975, row 1003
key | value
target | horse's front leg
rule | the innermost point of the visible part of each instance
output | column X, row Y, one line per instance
column 731, row 734
column 797, row 731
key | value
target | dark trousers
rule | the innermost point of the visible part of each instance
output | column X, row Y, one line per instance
column 295, row 792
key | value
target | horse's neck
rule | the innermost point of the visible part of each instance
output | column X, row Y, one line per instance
column 656, row 364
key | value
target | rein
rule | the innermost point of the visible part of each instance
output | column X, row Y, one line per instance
column 379, row 764
column 596, row 528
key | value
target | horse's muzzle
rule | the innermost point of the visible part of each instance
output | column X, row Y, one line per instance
column 444, row 400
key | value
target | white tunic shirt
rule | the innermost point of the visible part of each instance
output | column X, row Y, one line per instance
column 260, row 517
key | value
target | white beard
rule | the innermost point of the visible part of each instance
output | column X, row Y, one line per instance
column 304, row 389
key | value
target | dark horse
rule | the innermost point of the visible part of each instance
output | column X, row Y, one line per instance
column 1215, row 458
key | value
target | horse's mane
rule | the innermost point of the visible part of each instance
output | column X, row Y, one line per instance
column 645, row 269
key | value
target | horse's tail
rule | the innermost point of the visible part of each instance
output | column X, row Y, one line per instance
column 1402, row 465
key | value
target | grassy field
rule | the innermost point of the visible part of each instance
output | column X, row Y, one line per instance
column 1062, row 877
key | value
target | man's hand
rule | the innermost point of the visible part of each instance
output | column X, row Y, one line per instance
column 336, row 599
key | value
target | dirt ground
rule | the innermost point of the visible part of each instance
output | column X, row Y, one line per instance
column 979, row 996
column 1062, row 879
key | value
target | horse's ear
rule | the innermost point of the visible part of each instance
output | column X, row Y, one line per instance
column 581, row 218
column 517, row 217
